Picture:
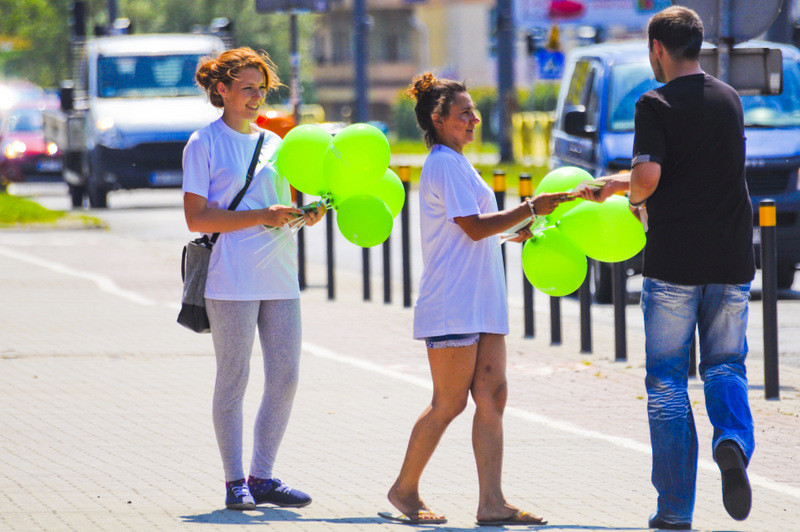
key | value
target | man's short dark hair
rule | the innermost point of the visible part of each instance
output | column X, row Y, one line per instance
column 679, row 29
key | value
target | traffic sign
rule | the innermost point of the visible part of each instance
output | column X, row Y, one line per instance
column 747, row 19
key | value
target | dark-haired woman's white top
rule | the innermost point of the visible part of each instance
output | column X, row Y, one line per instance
column 462, row 289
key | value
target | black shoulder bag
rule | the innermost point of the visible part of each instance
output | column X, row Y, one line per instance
column 194, row 265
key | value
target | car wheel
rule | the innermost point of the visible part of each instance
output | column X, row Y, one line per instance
column 785, row 275
column 601, row 275
column 98, row 196
column 76, row 194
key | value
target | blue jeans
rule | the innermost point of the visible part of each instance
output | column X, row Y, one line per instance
column 671, row 313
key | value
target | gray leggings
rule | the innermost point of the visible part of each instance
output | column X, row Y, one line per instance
column 233, row 325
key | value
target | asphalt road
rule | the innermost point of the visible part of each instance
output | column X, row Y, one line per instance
column 156, row 215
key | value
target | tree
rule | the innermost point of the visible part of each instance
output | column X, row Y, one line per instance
column 42, row 29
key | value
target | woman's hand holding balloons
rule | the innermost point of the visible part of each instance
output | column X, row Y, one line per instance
column 279, row 215
column 315, row 214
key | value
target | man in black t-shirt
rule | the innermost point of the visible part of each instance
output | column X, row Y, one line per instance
column 688, row 187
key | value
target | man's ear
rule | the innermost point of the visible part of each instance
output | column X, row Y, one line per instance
column 437, row 120
column 658, row 48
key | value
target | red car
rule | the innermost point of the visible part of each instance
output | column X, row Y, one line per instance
column 24, row 155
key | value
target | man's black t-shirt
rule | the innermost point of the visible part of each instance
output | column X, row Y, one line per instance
column 700, row 218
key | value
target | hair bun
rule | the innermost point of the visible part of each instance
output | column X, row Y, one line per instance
column 421, row 85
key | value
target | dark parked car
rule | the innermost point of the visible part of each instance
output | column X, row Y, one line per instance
column 24, row 154
column 593, row 130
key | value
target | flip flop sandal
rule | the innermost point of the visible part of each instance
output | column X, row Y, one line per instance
column 425, row 517
column 519, row 518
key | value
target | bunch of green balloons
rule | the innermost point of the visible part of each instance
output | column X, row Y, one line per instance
column 350, row 169
column 554, row 260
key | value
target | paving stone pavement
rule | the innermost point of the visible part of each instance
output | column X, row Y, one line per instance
column 105, row 406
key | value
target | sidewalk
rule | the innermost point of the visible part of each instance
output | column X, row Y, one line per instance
column 105, row 409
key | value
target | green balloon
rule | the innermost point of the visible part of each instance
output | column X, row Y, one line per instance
column 389, row 189
column 562, row 179
column 364, row 220
column 553, row 264
column 356, row 159
column 606, row 231
column 300, row 158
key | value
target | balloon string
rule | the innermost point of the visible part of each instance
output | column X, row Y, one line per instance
column 281, row 241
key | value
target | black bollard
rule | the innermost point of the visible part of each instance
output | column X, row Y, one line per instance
column 404, row 173
column 619, row 286
column 525, row 191
column 499, row 186
column 555, row 320
column 366, row 268
column 329, row 223
column 387, row 270
column 693, row 357
column 769, row 297
column 301, row 249
column 585, row 299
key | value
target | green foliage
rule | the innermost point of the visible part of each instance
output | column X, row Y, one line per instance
column 39, row 31
column 44, row 26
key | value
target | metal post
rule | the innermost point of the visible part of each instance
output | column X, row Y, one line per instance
column 725, row 41
column 499, row 186
column 585, row 298
column 525, row 191
column 387, row 270
column 506, row 98
column 361, row 32
column 112, row 12
column 301, row 250
column 555, row 320
column 329, row 223
column 366, row 268
column 619, row 282
column 693, row 357
column 403, row 173
column 294, row 84
column 361, row 58
column 769, row 297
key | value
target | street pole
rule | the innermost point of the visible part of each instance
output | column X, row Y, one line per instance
column 361, row 30
column 725, row 40
column 294, row 87
column 112, row 12
column 360, row 59
column 506, row 99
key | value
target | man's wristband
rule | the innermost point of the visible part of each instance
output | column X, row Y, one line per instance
column 638, row 203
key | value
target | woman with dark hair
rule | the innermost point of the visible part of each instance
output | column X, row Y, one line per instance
column 461, row 311
column 241, row 294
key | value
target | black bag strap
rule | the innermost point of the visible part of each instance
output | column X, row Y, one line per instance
column 248, row 179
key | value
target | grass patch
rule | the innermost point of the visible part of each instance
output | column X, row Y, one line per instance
column 20, row 212
column 15, row 210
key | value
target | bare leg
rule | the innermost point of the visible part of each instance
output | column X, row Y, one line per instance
column 452, row 370
column 489, row 391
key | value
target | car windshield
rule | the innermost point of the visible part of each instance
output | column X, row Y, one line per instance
column 630, row 80
column 782, row 110
column 24, row 121
column 147, row 76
